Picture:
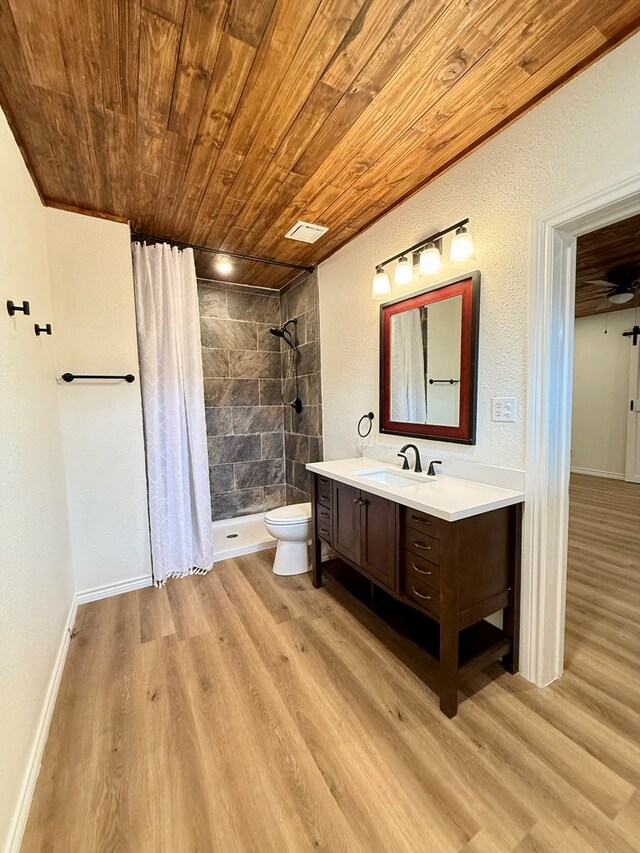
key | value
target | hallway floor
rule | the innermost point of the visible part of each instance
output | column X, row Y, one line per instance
column 245, row 712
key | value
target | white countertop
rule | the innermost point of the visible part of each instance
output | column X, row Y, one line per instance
column 449, row 498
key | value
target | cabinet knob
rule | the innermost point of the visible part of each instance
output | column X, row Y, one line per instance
column 421, row 545
column 418, row 570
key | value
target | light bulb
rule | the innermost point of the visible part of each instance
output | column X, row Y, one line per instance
column 224, row 265
column 462, row 248
column 403, row 273
column 430, row 260
column 381, row 284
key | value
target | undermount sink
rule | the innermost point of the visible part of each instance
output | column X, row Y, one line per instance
column 391, row 478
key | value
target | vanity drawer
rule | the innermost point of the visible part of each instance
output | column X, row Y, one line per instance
column 323, row 522
column 422, row 594
column 324, row 490
column 422, row 545
column 423, row 522
column 420, row 570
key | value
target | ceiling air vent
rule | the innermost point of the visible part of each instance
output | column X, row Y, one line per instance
column 305, row 232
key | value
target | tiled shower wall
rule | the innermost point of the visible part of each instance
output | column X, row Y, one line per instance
column 303, row 432
column 242, row 386
column 247, row 425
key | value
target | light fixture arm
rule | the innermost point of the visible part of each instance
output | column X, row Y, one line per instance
column 432, row 239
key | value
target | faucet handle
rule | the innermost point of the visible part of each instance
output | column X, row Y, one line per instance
column 432, row 471
column 405, row 464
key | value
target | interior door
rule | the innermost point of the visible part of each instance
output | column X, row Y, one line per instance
column 632, row 468
column 346, row 520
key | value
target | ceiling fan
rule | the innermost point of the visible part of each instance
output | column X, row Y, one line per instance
column 623, row 284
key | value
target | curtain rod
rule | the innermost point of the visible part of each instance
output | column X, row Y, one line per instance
column 180, row 244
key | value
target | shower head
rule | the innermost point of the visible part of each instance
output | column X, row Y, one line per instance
column 284, row 333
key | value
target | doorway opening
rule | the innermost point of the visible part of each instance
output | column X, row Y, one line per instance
column 602, row 638
column 549, row 403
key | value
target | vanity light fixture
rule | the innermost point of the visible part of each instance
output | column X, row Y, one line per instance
column 430, row 260
column 381, row 284
column 224, row 265
column 462, row 248
column 403, row 273
column 427, row 254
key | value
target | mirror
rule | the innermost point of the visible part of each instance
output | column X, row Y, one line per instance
column 428, row 355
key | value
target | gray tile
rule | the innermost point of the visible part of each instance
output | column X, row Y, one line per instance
column 301, row 477
column 272, row 444
column 308, row 358
column 297, row 447
column 212, row 301
column 215, row 362
column 231, row 392
column 231, row 504
column 228, row 334
column 266, row 473
column 274, row 496
column 270, row 392
column 312, row 326
column 247, row 419
column 267, row 341
column 229, row 448
column 221, row 478
column 313, row 394
column 259, row 365
column 302, row 297
column 288, row 468
column 252, row 306
column 315, row 449
column 219, row 420
column 288, row 418
column 307, row 422
column 289, row 388
column 296, row 496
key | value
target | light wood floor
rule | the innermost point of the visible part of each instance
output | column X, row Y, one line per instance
column 244, row 712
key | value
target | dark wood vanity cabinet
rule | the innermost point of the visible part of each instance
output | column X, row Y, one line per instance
column 456, row 573
column 364, row 529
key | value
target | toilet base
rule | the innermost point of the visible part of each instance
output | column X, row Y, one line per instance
column 292, row 558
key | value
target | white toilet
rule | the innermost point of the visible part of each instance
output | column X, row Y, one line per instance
column 291, row 526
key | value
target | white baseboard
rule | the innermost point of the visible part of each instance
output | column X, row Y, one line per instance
column 40, row 740
column 610, row 475
column 42, row 729
column 109, row 589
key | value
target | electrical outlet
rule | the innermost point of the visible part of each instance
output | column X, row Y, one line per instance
column 503, row 409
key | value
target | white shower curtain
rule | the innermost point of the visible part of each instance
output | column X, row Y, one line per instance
column 408, row 394
column 173, row 408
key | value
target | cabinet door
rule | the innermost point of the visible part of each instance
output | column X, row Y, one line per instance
column 346, row 521
column 379, row 538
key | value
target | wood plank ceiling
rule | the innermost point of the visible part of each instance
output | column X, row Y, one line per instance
column 598, row 254
column 222, row 122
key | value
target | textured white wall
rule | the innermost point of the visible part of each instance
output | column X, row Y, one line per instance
column 36, row 580
column 584, row 135
column 601, row 392
column 92, row 289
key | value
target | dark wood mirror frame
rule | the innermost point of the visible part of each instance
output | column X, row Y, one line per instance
column 468, row 286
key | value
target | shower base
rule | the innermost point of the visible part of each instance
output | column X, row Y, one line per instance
column 246, row 534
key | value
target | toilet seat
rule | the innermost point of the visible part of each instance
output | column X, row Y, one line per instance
column 293, row 514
